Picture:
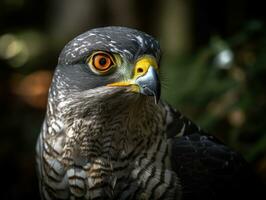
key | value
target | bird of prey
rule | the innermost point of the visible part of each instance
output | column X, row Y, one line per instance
column 108, row 135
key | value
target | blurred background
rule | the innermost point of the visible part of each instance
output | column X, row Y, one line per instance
column 213, row 69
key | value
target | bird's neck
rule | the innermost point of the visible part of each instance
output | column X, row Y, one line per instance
column 117, row 129
column 114, row 128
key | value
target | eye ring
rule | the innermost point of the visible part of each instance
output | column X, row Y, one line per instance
column 101, row 62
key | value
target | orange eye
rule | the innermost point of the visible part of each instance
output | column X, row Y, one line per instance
column 102, row 62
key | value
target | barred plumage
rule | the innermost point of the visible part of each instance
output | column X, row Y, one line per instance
column 110, row 142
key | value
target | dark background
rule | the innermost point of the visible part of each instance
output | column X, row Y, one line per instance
column 213, row 70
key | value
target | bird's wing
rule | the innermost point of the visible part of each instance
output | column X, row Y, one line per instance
column 207, row 169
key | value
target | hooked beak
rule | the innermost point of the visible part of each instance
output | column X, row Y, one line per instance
column 149, row 84
column 145, row 79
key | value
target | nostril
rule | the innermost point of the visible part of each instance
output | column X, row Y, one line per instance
column 139, row 70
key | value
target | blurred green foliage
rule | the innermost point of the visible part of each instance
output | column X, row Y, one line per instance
column 222, row 87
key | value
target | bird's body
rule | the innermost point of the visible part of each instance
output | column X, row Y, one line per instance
column 106, row 137
column 117, row 154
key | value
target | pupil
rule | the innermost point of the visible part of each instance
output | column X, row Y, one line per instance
column 102, row 61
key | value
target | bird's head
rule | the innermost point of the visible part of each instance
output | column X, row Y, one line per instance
column 105, row 61
column 106, row 85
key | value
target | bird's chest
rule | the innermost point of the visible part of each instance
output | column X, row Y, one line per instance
column 111, row 160
column 141, row 172
column 144, row 177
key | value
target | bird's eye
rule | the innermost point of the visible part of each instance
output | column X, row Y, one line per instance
column 102, row 62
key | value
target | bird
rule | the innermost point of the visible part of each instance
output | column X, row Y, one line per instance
column 108, row 134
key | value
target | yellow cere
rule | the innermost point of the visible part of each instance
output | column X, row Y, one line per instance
column 143, row 64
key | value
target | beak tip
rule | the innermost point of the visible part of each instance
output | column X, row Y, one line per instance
column 150, row 84
column 157, row 98
column 156, row 93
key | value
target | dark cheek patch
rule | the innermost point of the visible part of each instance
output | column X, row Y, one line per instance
column 80, row 78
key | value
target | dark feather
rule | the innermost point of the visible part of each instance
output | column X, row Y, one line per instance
column 207, row 168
